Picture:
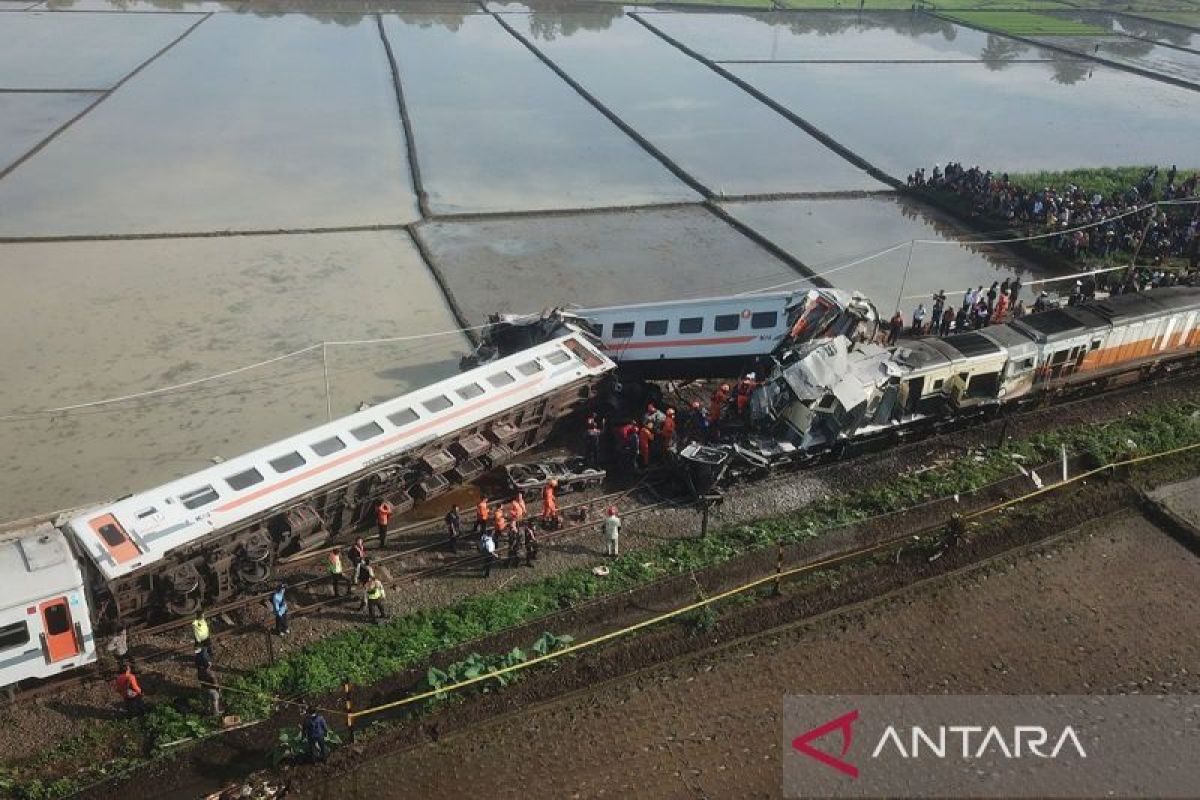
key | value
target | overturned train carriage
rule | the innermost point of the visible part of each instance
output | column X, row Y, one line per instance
column 205, row 538
column 828, row 395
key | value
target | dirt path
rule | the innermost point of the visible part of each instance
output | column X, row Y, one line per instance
column 1110, row 605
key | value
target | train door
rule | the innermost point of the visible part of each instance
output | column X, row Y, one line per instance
column 59, row 638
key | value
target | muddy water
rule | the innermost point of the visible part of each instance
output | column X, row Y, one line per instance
column 225, row 132
column 28, row 117
column 524, row 265
column 497, row 130
column 1016, row 117
column 717, row 133
column 83, row 321
column 803, row 36
column 826, row 234
column 80, row 51
column 1145, row 55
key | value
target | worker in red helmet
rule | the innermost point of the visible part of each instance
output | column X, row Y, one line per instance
column 550, row 516
column 612, row 532
column 666, row 434
column 654, row 418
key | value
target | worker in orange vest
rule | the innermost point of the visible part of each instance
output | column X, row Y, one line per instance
column 717, row 403
column 516, row 509
column 130, row 691
column 500, row 521
column 745, row 389
column 645, row 438
column 667, row 434
column 482, row 513
column 383, row 515
column 550, row 516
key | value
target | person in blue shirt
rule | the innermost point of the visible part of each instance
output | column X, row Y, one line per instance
column 314, row 729
column 280, row 607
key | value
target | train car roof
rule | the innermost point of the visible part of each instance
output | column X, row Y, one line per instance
column 1123, row 307
column 269, row 478
column 774, row 297
column 1007, row 336
column 35, row 566
column 1060, row 323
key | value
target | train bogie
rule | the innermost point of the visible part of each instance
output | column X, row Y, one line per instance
column 45, row 627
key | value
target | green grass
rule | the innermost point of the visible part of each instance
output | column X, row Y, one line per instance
column 369, row 654
column 1188, row 18
column 1025, row 23
column 1105, row 180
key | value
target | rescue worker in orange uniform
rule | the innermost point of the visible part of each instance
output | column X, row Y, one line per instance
column 126, row 685
column 745, row 389
column 383, row 516
column 667, row 434
column 501, row 522
column 516, row 509
column 717, row 403
column 550, row 515
column 645, row 439
column 482, row 513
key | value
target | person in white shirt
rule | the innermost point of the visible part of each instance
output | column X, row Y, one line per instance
column 487, row 546
column 612, row 532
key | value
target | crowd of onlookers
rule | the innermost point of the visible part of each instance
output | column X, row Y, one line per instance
column 1171, row 231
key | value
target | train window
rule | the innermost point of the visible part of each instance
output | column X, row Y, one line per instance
column 244, row 479
column 199, row 497
column 938, row 384
column 1096, row 343
column 589, row 358
column 656, row 327
column 530, row 368
column 149, row 512
column 598, row 330
column 287, row 462
column 112, row 535
column 331, row 445
column 436, row 404
column 368, row 431
column 1058, row 358
column 402, row 418
column 726, row 322
column 764, row 319
column 556, row 357
column 622, row 330
column 501, row 379
column 470, row 390
column 58, row 621
column 13, row 635
column 691, row 325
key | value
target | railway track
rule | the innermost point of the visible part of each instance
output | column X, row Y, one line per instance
column 148, row 654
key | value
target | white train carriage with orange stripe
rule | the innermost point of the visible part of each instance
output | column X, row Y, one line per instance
column 716, row 337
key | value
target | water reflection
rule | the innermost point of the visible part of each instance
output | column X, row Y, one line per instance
column 826, row 234
column 81, row 51
column 1168, row 61
column 225, row 133
column 28, row 117
column 716, row 132
column 497, row 131
column 527, row 264
column 1138, row 26
column 1055, row 115
column 816, row 36
column 172, row 310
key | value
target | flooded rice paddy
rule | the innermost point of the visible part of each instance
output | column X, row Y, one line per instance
column 165, row 311
column 813, row 231
column 1055, row 115
column 191, row 186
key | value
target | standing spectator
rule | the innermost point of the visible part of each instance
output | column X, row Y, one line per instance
column 130, row 690
column 487, row 548
column 698, row 429
column 383, row 517
column 200, row 633
column 358, row 556
column 333, row 568
column 210, row 689
column 453, row 527
column 918, row 320
column 591, row 441
column 531, row 547
column 612, row 532
column 314, row 729
column 375, row 596
column 895, row 326
column 280, row 606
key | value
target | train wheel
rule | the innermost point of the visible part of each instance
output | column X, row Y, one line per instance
column 186, row 590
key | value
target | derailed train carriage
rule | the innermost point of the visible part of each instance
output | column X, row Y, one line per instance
column 825, row 396
column 208, row 537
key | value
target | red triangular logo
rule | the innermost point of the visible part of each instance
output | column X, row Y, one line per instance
column 843, row 724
